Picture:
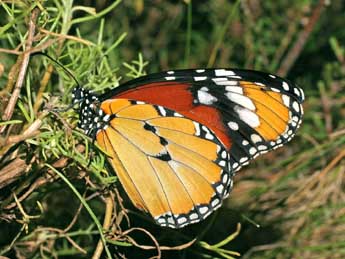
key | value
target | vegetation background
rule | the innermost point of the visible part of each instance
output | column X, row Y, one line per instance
column 54, row 200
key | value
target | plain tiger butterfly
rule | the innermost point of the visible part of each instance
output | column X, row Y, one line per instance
column 176, row 138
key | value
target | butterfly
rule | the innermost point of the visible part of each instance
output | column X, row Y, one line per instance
column 175, row 139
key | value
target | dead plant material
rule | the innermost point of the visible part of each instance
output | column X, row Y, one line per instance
column 24, row 64
column 12, row 172
column 43, row 85
column 302, row 38
column 109, row 206
column 67, row 37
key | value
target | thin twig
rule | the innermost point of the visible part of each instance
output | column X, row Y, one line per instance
column 43, row 86
column 222, row 33
column 63, row 36
column 22, row 72
column 39, row 182
column 336, row 134
column 62, row 234
column 12, row 75
column 145, row 247
column 10, row 51
column 12, row 171
column 30, row 132
column 74, row 220
column 109, row 202
column 301, row 40
column 316, row 178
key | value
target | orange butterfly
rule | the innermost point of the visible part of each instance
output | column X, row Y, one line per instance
column 176, row 138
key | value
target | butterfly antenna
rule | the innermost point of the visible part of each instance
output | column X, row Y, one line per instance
column 59, row 64
column 64, row 69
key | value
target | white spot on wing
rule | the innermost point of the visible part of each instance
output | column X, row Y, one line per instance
column 243, row 159
column 238, row 77
column 197, row 128
column 209, row 136
column 252, row 151
column 162, row 110
column 203, row 210
column 200, row 70
column 223, row 72
column 193, row 216
column 296, row 91
column 255, row 138
column 170, row 78
column 222, row 163
column 219, row 79
column 285, row 86
column 106, row 117
column 171, row 220
column 200, row 78
column 232, row 82
column 233, row 125
column 241, row 100
column 262, row 147
column 181, row 220
column 259, row 84
column 219, row 82
column 161, row 220
column 286, row 100
column 206, row 98
column 220, row 188
column 247, row 116
column 225, row 178
column 295, row 105
column 295, row 118
column 215, row 202
column 234, row 89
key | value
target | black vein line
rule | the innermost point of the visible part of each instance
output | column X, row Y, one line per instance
column 166, row 196
column 189, row 150
column 190, row 197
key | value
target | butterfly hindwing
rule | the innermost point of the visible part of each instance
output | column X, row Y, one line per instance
column 170, row 166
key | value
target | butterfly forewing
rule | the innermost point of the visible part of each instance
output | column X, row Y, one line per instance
column 251, row 112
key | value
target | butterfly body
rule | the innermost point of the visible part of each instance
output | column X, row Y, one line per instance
column 176, row 138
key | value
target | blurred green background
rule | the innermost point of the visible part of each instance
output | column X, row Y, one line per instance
column 290, row 202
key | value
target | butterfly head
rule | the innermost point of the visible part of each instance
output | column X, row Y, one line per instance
column 79, row 94
column 91, row 117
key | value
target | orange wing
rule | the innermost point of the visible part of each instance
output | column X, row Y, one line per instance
column 251, row 112
column 176, row 147
column 172, row 167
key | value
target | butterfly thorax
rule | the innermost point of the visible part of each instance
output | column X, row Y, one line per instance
column 91, row 116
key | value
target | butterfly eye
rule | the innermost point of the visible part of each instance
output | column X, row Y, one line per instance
column 78, row 94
